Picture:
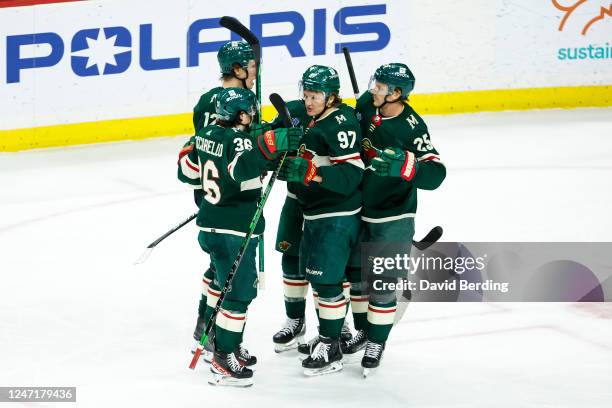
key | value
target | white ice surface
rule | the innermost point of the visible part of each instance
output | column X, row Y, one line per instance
column 74, row 311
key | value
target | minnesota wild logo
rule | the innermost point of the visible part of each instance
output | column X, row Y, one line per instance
column 376, row 120
column 368, row 150
column 305, row 153
column 284, row 246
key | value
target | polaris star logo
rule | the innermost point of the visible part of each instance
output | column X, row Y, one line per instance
column 101, row 51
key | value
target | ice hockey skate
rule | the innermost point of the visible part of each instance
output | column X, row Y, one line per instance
column 290, row 336
column 351, row 349
column 226, row 370
column 326, row 358
column 244, row 357
column 371, row 357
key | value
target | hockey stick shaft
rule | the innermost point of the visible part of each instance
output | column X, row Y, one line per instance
column 235, row 265
column 152, row 245
column 351, row 71
column 276, row 100
column 235, row 26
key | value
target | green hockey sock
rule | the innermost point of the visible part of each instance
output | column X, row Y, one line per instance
column 230, row 325
column 332, row 310
column 295, row 287
column 380, row 320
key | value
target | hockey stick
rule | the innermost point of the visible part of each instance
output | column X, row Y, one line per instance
column 351, row 71
column 147, row 252
column 428, row 240
column 232, row 24
column 280, row 105
column 235, row 26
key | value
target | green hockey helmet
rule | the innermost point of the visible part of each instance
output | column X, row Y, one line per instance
column 320, row 78
column 234, row 52
column 394, row 75
column 232, row 101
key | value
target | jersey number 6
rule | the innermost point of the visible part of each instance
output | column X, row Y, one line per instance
column 210, row 187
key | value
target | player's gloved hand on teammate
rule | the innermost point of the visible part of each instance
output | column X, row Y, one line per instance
column 272, row 142
column 257, row 129
column 298, row 170
column 395, row 162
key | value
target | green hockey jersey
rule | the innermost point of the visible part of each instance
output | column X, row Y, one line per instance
column 391, row 198
column 225, row 165
column 333, row 143
column 204, row 113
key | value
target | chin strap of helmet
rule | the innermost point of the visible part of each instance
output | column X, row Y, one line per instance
column 315, row 118
column 242, row 80
column 386, row 102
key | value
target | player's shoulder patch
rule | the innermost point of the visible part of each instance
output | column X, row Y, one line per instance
column 412, row 117
column 344, row 115
column 211, row 95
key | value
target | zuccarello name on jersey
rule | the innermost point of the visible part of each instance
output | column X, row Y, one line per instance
column 209, row 146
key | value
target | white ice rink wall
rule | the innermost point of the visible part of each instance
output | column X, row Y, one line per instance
column 86, row 71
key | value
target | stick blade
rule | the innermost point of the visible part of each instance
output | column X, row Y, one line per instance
column 145, row 255
column 233, row 24
column 431, row 238
column 281, row 107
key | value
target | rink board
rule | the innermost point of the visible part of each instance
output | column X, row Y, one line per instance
column 94, row 71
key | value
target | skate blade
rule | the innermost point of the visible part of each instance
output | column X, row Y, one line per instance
column 227, row 381
column 334, row 367
column 290, row 345
column 368, row 371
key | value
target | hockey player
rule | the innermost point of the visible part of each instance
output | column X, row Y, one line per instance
column 288, row 237
column 238, row 70
column 401, row 159
column 325, row 178
column 228, row 165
